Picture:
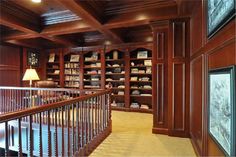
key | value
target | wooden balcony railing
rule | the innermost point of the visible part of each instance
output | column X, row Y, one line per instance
column 18, row 98
column 61, row 127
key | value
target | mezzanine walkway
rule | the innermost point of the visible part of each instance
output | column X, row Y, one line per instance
column 131, row 137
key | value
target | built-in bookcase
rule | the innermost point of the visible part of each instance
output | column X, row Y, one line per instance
column 72, row 71
column 141, row 79
column 53, row 68
column 115, row 76
column 127, row 72
column 92, row 70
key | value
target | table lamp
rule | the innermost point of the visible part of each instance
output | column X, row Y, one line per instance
column 30, row 75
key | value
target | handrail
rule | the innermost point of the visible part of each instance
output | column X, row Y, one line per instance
column 50, row 89
column 37, row 109
column 18, row 98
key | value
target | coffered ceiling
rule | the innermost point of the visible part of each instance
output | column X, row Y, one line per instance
column 77, row 23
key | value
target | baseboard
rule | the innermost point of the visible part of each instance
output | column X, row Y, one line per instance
column 160, row 131
column 195, row 146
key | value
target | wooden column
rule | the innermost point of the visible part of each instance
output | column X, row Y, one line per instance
column 103, row 68
column 171, row 77
column 178, row 78
column 81, row 69
column 62, row 69
column 159, row 77
column 127, row 78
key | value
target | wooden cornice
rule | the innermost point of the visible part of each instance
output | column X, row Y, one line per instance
column 79, row 10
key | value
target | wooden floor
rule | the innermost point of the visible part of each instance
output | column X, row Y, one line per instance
column 131, row 136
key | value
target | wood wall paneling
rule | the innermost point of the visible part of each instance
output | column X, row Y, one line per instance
column 160, row 94
column 222, row 57
column 216, row 52
column 179, row 35
column 197, row 102
column 196, row 30
column 178, row 97
column 10, row 71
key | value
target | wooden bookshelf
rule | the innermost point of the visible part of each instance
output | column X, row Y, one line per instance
column 92, row 70
column 140, row 76
column 92, row 73
column 53, row 67
column 72, row 70
column 115, row 70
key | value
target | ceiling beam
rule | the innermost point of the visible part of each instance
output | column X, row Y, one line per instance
column 19, row 36
column 20, row 43
column 79, row 10
column 67, row 28
column 58, row 40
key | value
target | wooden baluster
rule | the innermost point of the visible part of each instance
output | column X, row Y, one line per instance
column 55, row 135
column 1, row 101
column 89, row 118
column 105, row 111
column 73, row 130
column 4, row 101
column 68, row 130
column 87, row 121
column 6, row 140
column 92, row 117
column 62, row 131
column 31, row 140
column 102, row 113
column 82, row 124
column 17, row 100
column 101, row 101
column 10, row 101
column 19, row 138
column 14, row 98
column 40, row 136
column 20, row 103
column 98, row 114
column 77, row 127
column 49, row 134
column 107, row 108
column 95, row 114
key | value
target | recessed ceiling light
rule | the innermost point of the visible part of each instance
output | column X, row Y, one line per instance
column 36, row 1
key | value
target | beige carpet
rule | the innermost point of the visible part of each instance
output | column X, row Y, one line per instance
column 132, row 137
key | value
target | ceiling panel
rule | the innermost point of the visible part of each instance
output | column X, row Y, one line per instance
column 126, row 6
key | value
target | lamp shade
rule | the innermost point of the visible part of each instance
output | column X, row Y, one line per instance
column 30, row 74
